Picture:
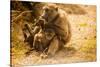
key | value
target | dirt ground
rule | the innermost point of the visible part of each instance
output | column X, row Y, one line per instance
column 81, row 48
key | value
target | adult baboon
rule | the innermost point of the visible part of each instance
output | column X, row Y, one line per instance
column 56, row 19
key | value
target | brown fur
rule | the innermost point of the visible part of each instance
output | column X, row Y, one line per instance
column 57, row 20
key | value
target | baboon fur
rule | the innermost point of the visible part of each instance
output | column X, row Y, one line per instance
column 56, row 19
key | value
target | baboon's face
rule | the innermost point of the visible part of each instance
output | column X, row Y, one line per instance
column 49, row 12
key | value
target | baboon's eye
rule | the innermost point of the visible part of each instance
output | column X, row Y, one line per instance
column 46, row 9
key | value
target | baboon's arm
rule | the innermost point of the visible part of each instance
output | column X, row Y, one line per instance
column 29, row 29
column 32, row 33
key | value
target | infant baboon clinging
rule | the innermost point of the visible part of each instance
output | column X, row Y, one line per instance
column 30, row 33
column 43, row 38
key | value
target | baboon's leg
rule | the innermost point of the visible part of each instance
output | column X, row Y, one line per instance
column 37, row 43
column 30, row 41
column 53, row 47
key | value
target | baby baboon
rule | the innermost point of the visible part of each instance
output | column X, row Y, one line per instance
column 29, row 33
column 42, row 39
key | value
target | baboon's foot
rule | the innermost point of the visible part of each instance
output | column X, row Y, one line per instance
column 43, row 56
